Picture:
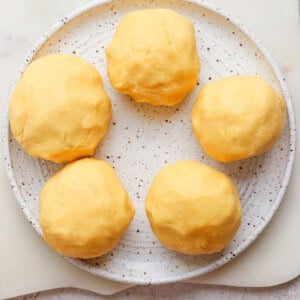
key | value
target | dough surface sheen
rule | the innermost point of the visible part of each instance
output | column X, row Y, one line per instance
column 84, row 209
column 153, row 57
column 59, row 110
column 192, row 208
column 238, row 117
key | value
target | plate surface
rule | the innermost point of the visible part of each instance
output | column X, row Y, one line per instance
column 143, row 138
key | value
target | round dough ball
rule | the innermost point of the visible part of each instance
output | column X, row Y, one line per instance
column 153, row 57
column 238, row 117
column 59, row 110
column 84, row 209
column 193, row 208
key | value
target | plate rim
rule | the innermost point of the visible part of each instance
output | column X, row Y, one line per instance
column 285, row 181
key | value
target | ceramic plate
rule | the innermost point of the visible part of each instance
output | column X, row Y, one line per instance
column 143, row 138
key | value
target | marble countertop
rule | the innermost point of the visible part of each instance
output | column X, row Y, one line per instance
column 179, row 291
column 22, row 23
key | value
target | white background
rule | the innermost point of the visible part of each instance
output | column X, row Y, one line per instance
column 21, row 24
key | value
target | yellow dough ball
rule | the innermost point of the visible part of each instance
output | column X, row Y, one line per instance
column 238, row 117
column 59, row 110
column 192, row 208
column 153, row 57
column 84, row 209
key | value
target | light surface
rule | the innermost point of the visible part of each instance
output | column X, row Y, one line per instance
column 143, row 138
column 19, row 33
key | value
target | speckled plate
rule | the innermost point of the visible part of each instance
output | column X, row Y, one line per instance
column 143, row 138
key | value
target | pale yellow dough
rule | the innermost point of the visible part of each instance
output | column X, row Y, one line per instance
column 238, row 117
column 84, row 209
column 153, row 57
column 193, row 208
column 59, row 110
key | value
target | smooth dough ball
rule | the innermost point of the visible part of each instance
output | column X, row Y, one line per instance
column 153, row 57
column 59, row 110
column 193, row 208
column 84, row 209
column 238, row 117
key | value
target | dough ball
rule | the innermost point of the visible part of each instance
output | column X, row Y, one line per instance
column 59, row 110
column 193, row 208
column 84, row 209
column 238, row 117
column 153, row 57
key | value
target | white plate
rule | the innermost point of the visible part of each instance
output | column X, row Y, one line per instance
column 143, row 138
